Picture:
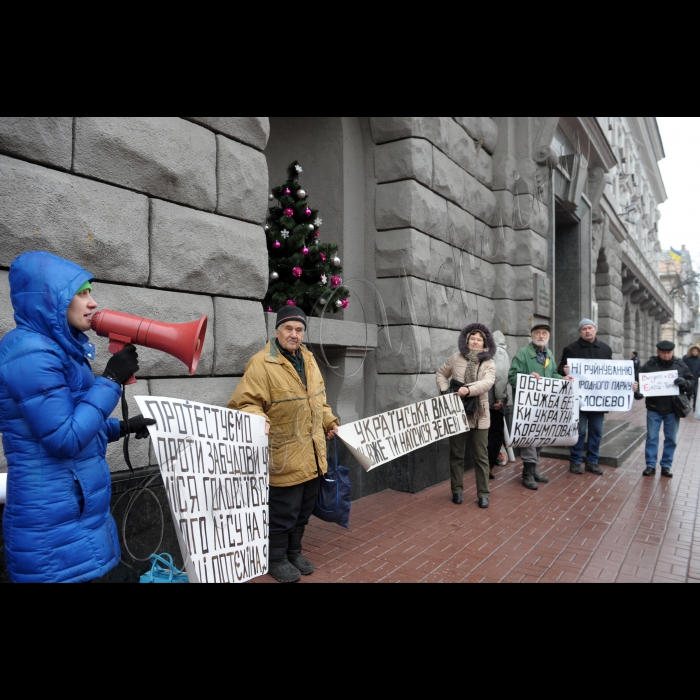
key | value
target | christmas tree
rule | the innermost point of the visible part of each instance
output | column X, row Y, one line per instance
column 304, row 272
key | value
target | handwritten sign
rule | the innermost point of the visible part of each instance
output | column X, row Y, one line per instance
column 546, row 413
column 376, row 441
column 214, row 464
column 604, row 385
column 659, row 384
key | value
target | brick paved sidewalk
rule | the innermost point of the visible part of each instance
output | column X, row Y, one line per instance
column 619, row 528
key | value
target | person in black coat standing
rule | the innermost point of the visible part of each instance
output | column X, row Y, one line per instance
column 693, row 364
column 661, row 410
column 587, row 347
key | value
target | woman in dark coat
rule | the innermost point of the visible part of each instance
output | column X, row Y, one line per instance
column 693, row 364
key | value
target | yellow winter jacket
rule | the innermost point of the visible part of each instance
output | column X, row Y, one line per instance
column 299, row 418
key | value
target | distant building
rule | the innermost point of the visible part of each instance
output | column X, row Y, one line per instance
column 678, row 277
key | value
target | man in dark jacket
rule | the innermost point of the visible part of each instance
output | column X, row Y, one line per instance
column 587, row 347
column 661, row 410
column 693, row 364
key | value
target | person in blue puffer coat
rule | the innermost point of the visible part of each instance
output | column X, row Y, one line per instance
column 55, row 421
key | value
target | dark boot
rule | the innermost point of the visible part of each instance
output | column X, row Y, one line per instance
column 650, row 471
column 529, row 477
column 576, row 469
column 280, row 568
column 594, row 469
column 305, row 567
column 539, row 479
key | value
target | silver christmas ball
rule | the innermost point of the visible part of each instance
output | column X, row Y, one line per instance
column 274, row 276
column 267, row 228
column 339, row 304
column 301, row 194
column 312, row 227
column 323, row 302
column 336, row 261
column 272, row 197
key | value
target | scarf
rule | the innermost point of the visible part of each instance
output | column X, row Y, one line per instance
column 297, row 361
column 542, row 355
column 472, row 367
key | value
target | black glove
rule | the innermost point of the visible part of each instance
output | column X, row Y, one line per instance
column 123, row 365
column 138, row 425
column 680, row 382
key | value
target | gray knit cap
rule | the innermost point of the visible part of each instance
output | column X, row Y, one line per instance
column 587, row 322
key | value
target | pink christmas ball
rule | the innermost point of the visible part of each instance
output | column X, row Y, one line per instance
column 304, row 251
column 336, row 282
column 269, row 310
column 276, row 245
column 318, row 234
column 291, row 303
column 323, row 257
column 345, row 303
column 288, row 192
column 308, row 212
column 297, row 272
column 289, row 212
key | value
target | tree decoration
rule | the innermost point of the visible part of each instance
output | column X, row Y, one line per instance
column 304, row 266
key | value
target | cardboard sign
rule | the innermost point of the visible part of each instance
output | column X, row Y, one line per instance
column 659, row 384
column 546, row 413
column 376, row 441
column 604, row 386
column 214, row 463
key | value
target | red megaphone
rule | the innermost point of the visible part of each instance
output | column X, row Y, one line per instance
column 184, row 341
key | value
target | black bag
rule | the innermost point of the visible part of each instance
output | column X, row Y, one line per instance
column 682, row 406
column 335, row 498
column 471, row 403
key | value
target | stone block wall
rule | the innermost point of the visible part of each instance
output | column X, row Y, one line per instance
column 453, row 247
column 166, row 212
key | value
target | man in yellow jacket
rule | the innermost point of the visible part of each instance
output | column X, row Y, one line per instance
column 283, row 384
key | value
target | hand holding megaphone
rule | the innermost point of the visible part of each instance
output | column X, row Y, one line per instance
column 123, row 366
column 184, row 341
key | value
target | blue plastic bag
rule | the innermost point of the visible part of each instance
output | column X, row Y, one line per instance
column 167, row 573
column 335, row 498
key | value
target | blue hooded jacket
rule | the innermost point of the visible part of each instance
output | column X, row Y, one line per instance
column 55, row 421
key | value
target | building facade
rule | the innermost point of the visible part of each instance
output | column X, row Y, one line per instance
column 681, row 282
column 441, row 221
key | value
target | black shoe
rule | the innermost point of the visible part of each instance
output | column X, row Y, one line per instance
column 594, row 469
column 284, row 572
column 492, row 476
column 667, row 473
column 529, row 477
column 304, row 566
column 576, row 469
column 650, row 471
column 539, row 478
column 483, row 503
column 457, row 499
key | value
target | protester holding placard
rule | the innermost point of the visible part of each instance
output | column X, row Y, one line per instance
column 472, row 373
column 587, row 347
column 693, row 364
column 536, row 359
column 283, row 384
column 661, row 410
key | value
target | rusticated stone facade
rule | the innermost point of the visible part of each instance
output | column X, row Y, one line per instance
column 442, row 221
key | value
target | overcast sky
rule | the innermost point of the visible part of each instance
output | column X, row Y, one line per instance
column 679, row 224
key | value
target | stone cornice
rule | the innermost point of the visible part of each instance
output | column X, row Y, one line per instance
column 646, row 132
column 593, row 140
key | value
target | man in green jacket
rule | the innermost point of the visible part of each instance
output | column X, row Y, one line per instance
column 536, row 360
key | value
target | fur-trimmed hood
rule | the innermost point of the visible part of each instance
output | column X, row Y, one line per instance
column 490, row 351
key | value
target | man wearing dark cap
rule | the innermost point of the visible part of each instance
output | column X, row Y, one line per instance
column 283, row 384
column 537, row 360
column 661, row 410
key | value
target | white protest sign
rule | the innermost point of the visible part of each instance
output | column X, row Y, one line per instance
column 546, row 413
column 376, row 441
column 604, row 385
column 214, row 463
column 659, row 384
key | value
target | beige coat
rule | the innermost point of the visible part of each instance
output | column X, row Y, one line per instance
column 456, row 368
column 299, row 418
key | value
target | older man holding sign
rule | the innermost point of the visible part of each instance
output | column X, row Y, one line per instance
column 604, row 386
column 661, row 380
